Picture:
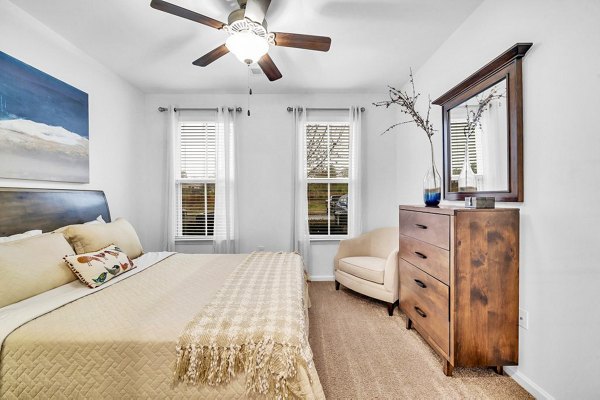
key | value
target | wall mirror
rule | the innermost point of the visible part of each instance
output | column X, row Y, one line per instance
column 483, row 131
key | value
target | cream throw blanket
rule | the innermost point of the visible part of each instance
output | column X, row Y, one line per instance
column 256, row 324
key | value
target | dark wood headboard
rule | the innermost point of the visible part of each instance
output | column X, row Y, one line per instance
column 22, row 210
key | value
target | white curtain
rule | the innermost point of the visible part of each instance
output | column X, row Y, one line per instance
column 170, row 222
column 494, row 142
column 300, row 233
column 226, row 238
column 355, row 176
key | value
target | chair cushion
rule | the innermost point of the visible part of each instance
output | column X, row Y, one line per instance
column 367, row 268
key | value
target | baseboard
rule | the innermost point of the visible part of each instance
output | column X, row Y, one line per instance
column 527, row 384
column 321, row 278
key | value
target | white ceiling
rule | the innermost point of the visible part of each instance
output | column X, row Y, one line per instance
column 373, row 42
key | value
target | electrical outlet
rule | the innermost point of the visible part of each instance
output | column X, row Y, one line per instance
column 523, row 319
column 261, row 248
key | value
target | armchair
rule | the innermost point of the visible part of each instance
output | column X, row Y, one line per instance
column 368, row 264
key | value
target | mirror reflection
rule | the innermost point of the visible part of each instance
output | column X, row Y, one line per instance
column 479, row 142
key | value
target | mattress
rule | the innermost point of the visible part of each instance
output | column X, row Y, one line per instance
column 120, row 342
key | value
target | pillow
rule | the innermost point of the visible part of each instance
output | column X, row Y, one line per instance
column 32, row 266
column 101, row 266
column 98, row 220
column 19, row 236
column 92, row 237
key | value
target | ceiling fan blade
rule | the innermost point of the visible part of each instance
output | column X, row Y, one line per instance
column 185, row 13
column 211, row 56
column 269, row 68
column 256, row 10
column 309, row 42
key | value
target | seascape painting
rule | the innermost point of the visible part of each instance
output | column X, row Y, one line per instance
column 44, row 125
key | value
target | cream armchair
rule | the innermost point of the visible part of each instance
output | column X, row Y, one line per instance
column 368, row 264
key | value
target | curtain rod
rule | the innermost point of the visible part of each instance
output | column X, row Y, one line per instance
column 290, row 109
column 163, row 109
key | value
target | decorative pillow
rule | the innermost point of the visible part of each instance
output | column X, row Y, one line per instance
column 98, row 220
column 19, row 236
column 89, row 238
column 101, row 266
column 32, row 266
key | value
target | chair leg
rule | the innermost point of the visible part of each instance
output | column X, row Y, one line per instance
column 391, row 306
column 337, row 285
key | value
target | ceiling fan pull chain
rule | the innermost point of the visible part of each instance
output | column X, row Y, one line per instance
column 249, row 90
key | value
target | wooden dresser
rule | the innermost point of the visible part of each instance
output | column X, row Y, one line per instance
column 459, row 282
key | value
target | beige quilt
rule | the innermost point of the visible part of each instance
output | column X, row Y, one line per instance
column 120, row 342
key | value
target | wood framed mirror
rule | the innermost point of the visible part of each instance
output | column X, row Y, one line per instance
column 483, row 131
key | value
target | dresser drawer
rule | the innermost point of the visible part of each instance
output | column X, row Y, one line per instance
column 425, row 300
column 430, row 228
column 431, row 259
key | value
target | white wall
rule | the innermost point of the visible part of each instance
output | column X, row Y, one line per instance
column 115, row 107
column 265, row 148
column 560, row 274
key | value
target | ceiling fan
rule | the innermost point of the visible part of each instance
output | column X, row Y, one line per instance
column 248, row 38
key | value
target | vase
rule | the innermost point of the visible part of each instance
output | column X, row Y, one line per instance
column 467, row 181
column 432, row 185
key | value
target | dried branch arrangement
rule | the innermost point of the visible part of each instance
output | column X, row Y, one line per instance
column 407, row 103
column 474, row 116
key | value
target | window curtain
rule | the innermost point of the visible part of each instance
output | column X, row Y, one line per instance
column 226, row 240
column 300, row 233
column 170, row 222
column 492, row 162
column 354, row 188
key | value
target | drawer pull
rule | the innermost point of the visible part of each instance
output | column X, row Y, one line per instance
column 420, row 312
column 421, row 226
column 420, row 283
column 423, row 256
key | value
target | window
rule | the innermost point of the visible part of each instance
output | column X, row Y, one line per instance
column 327, row 167
column 196, row 179
column 459, row 141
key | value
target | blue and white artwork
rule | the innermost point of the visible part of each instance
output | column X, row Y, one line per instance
column 44, row 125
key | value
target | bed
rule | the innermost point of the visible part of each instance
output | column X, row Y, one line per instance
column 117, row 341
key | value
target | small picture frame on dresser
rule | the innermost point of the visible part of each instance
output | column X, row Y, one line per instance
column 480, row 202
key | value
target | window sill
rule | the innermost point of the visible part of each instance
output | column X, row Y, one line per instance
column 328, row 238
column 193, row 239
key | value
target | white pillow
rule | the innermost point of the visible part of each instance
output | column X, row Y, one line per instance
column 98, row 220
column 19, row 236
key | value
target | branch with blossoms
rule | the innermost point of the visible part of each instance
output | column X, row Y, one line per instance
column 407, row 103
column 474, row 117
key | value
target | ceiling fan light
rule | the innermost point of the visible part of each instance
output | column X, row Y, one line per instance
column 247, row 46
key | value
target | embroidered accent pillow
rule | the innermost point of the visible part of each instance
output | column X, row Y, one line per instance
column 100, row 266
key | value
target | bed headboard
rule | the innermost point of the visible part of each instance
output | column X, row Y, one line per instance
column 48, row 209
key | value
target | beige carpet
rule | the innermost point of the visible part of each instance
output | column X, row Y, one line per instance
column 362, row 353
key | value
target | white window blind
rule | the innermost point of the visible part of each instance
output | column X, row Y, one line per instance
column 196, row 179
column 328, row 162
column 458, row 142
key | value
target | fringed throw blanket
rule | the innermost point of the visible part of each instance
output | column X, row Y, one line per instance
column 256, row 324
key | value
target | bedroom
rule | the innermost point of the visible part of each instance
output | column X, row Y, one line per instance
column 143, row 61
